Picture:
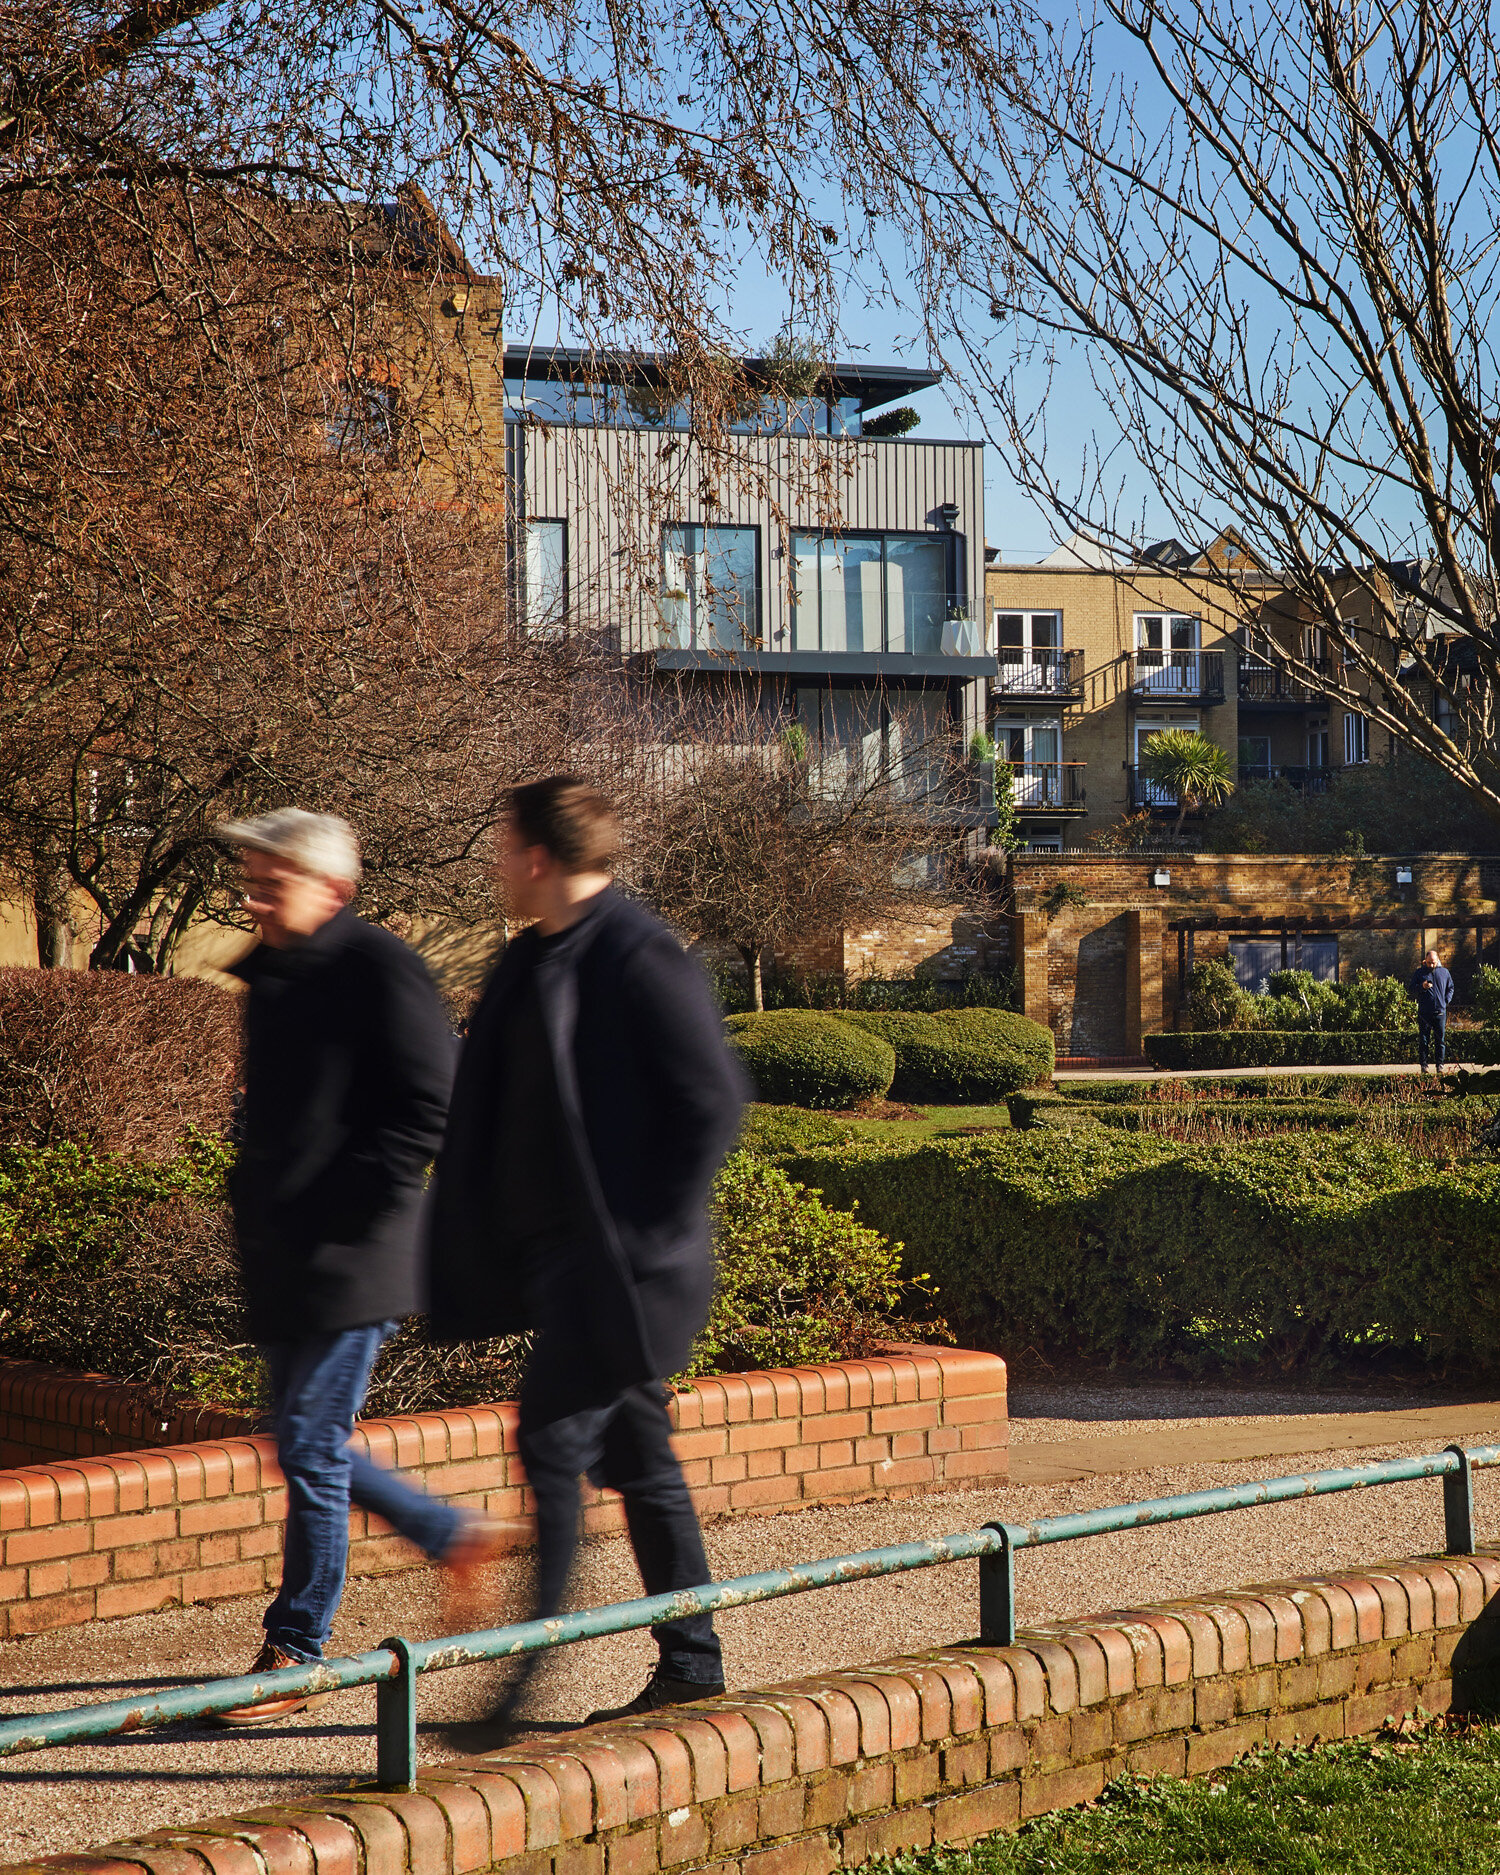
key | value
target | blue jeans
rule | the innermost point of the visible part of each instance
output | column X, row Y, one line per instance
column 1433, row 1031
column 318, row 1384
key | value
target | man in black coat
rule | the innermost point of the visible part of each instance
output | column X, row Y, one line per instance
column 348, row 1065
column 594, row 1103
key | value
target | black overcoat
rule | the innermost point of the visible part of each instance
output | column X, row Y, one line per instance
column 349, row 1062
column 650, row 1098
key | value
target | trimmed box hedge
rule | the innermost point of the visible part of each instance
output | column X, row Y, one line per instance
column 1199, row 1049
column 960, row 1056
column 1297, row 1250
column 1279, row 1048
column 806, row 1058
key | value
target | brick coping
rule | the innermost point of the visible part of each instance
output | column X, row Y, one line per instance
column 92, row 1538
column 939, row 1747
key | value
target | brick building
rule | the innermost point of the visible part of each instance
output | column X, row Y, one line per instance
column 1095, row 653
column 1101, row 942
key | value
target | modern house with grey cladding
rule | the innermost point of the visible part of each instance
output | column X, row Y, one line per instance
column 844, row 569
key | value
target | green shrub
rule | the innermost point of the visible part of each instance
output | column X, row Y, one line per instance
column 126, row 1267
column 1297, row 1000
column 1278, row 1048
column 1297, row 1251
column 804, row 1058
column 1215, row 999
column 798, row 1283
column 1245, row 1116
column 961, row 1056
column 1484, row 994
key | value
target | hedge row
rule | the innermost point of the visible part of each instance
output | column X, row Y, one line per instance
column 836, row 1059
column 1191, row 1050
column 126, row 1266
column 1298, row 1250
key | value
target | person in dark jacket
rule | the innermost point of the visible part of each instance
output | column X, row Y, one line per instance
column 595, row 1101
column 348, row 1065
column 1432, row 987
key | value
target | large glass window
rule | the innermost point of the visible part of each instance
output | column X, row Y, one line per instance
column 710, row 588
column 544, row 574
column 870, row 592
column 868, row 735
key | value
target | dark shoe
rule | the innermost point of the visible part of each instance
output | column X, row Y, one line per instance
column 660, row 1690
column 267, row 1711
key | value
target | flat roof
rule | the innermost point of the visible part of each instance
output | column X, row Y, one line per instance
column 872, row 385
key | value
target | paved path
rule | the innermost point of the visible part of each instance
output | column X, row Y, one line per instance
column 1222, row 1074
column 1060, row 1461
column 1068, row 1441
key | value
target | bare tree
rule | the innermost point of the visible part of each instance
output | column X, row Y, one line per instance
column 748, row 833
column 1266, row 238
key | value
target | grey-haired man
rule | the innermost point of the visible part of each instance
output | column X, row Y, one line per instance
column 348, row 1064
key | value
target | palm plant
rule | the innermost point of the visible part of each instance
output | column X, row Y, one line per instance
column 1187, row 765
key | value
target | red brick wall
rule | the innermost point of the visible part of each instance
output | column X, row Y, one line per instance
column 944, row 1747
column 96, row 1537
column 47, row 1413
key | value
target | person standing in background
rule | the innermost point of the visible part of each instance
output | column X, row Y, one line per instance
column 1432, row 987
column 595, row 1101
column 348, row 1067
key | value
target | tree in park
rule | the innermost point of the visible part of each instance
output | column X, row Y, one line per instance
column 252, row 527
column 752, row 835
column 1260, row 241
column 1190, row 770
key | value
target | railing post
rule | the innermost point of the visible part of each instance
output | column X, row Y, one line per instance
column 1458, row 1506
column 396, row 1722
column 997, row 1591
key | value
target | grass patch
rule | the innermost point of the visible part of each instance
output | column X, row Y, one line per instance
column 1399, row 1806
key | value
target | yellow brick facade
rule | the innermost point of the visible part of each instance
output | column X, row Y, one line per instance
column 1113, row 687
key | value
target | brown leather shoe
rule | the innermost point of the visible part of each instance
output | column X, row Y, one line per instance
column 267, row 1711
column 478, row 1543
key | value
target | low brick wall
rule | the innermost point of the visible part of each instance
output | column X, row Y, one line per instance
column 46, row 1412
column 933, row 1748
column 98, row 1537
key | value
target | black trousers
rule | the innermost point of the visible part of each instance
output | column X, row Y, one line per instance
column 1432, row 1031
column 571, row 1423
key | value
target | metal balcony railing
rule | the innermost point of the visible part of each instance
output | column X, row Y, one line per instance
column 1046, row 787
column 1182, row 676
column 1265, row 683
column 1038, row 673
column 1304, row 779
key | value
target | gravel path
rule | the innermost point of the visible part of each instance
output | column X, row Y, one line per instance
column 66, row 1800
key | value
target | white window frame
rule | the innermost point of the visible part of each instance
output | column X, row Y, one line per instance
column 1029, row 668
column 1356, row 739
column 543, row 590
column 1039, row 782
column 1167, row 669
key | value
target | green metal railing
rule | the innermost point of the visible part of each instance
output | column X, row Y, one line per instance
column 393, row 1667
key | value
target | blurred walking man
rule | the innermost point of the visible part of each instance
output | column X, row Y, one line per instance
column 1432, row 986
column 595, row 1101
column 348, row 1064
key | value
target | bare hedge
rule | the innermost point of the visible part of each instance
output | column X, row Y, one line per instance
column 114, row 1062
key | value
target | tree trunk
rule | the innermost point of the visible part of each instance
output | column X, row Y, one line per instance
column 50, row 901
column 751, row 955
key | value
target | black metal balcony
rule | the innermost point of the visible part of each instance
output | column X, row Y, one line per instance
column 1178, row 676
column 1047, row 675
column 1265, row 686
column 1144, row 792
column 1053, row 788
column 1304, row 779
